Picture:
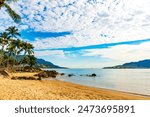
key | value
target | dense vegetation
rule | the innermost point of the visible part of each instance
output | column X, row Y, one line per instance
column 13, row 51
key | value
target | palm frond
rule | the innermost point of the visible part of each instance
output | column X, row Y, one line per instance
column 4, row 1
column 12, row 14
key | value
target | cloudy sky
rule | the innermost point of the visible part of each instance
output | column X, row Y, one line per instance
column 84, row 33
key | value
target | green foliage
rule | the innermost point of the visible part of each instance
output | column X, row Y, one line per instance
column 11, row 48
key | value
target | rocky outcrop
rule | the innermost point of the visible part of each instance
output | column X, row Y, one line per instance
column 62, row 74
column 70, row 75
column 47, row 74
column 91, row 75
column 24, row 78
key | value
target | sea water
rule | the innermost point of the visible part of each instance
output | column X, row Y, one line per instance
column 127, row 80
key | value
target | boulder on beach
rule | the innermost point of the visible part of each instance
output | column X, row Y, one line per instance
column 23, row 78
column 47, row 74
column 92, row 75
column 62, row 74
column 70, row 75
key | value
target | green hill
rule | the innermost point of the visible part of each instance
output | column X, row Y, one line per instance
column 46, row 64
column 132, row 65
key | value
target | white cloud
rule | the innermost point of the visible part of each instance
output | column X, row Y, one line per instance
column 122, row 20
column 50, row 53
column 122, row 53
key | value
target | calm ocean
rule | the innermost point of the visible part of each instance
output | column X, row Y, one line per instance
column 127, row 80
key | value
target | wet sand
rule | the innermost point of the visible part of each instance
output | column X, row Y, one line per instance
column 57, row 90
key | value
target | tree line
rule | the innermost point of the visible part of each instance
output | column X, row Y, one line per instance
column 15, row 52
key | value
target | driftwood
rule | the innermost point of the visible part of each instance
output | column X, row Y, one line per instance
column 4, row 72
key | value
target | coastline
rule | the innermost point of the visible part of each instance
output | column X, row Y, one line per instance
column 58, row 90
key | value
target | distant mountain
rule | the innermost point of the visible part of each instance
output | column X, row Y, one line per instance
column 42, row 63
column 133, row 65
column 46, row 64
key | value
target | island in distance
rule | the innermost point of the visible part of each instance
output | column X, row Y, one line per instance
column 144, row 64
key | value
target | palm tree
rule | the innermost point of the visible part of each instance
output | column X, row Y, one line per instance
column 1, row 41
column 4, row 40
column 11, row 47
column 28, row 50
column 7, row 39
column 14, row 45
column 13, row 32
column 30, row 60
column 12, row 14
column 4, row 60
column 11, row 50
column 14, row 48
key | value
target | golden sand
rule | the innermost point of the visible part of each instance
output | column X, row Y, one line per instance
column 57, row 90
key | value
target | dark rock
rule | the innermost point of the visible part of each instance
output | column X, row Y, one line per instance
column 39, row 78
column 23, row 78
column 41, row 75
column 92, row 75
column 52, row 73
column 70, row 75
column 13, row 78
column 62, row 74
column 47, row 74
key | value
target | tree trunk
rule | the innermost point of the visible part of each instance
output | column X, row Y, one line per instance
column 22, row 60
column 1, row 3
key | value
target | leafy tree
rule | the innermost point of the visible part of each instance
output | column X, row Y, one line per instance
column 4, row 40
column 15, row 52
column 13, row 32
column 32, row 60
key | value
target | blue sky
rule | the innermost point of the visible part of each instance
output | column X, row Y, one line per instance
column 32, row 35
column 84, row 33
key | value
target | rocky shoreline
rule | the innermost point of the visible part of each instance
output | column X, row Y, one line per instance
column 35, row 76
column 29, row 86
column 38, row 74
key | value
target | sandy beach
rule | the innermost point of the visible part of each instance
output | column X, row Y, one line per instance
column 57, row 90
